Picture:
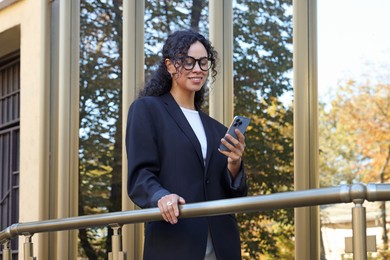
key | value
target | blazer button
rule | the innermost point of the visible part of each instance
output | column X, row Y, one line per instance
column 207, row 181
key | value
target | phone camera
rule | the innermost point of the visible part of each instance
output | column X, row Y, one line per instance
column 237, row 122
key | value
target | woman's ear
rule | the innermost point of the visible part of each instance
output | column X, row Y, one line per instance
column 170, row 66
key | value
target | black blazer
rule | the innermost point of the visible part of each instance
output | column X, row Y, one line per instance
column 164, row 156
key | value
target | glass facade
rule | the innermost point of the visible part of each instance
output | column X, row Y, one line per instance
column 262, row 59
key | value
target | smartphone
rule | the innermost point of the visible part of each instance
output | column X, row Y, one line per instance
column 239, row 122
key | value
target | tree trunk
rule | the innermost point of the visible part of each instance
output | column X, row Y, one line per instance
column 197, row 7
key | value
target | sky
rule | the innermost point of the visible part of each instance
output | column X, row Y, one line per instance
column 353, row 41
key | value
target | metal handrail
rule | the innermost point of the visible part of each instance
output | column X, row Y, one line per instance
column 356, row 193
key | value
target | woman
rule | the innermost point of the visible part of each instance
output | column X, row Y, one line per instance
column 174, row 157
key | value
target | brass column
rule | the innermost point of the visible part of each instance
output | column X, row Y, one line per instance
column 221, row 36
column 133, row 76
column 307, row 235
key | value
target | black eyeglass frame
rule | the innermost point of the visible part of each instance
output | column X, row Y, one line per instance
column 194, row 61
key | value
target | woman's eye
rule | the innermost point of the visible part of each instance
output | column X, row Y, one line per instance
column 204, row 62
column 188, row 62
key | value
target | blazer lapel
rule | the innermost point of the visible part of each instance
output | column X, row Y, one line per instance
column 176, row 113
column 211, row 148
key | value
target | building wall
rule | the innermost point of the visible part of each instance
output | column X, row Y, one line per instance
column 20, row 28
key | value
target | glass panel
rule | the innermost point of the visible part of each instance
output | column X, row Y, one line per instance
column 164, row 17
column 100, row 134
column 354, row 115
column 263, row 92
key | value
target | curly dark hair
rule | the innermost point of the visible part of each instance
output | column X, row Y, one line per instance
column 176, row 46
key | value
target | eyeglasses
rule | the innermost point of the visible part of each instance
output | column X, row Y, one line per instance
column 189, row 63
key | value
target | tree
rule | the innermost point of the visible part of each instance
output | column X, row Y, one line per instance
column 357, row 128
column 337, row 150
column 355, row 137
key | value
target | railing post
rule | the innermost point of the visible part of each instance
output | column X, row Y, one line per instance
column 7, row 253
column 359, row 245
column 28, row 248
column 117, row 253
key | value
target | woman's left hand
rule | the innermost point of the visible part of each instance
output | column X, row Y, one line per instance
column 236, row 150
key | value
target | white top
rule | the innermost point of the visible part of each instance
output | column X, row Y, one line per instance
column 194, row 119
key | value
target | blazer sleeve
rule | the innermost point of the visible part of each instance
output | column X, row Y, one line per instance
column 143, row 185
column 238, row 186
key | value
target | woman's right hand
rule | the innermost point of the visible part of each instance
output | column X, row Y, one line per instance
column 169, row 207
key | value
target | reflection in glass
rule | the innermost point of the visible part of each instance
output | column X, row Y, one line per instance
column 100, row 133
column 263, row 91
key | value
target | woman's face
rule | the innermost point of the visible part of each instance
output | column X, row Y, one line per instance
column 187, row 79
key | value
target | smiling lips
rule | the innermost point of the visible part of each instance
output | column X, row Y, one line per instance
column 196, row 79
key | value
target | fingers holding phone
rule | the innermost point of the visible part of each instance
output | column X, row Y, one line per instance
column 233, row 137
column 233, row 145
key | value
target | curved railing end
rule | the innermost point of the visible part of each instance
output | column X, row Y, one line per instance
column 9, row 233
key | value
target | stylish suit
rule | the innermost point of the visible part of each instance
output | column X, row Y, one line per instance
column 164, row 157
